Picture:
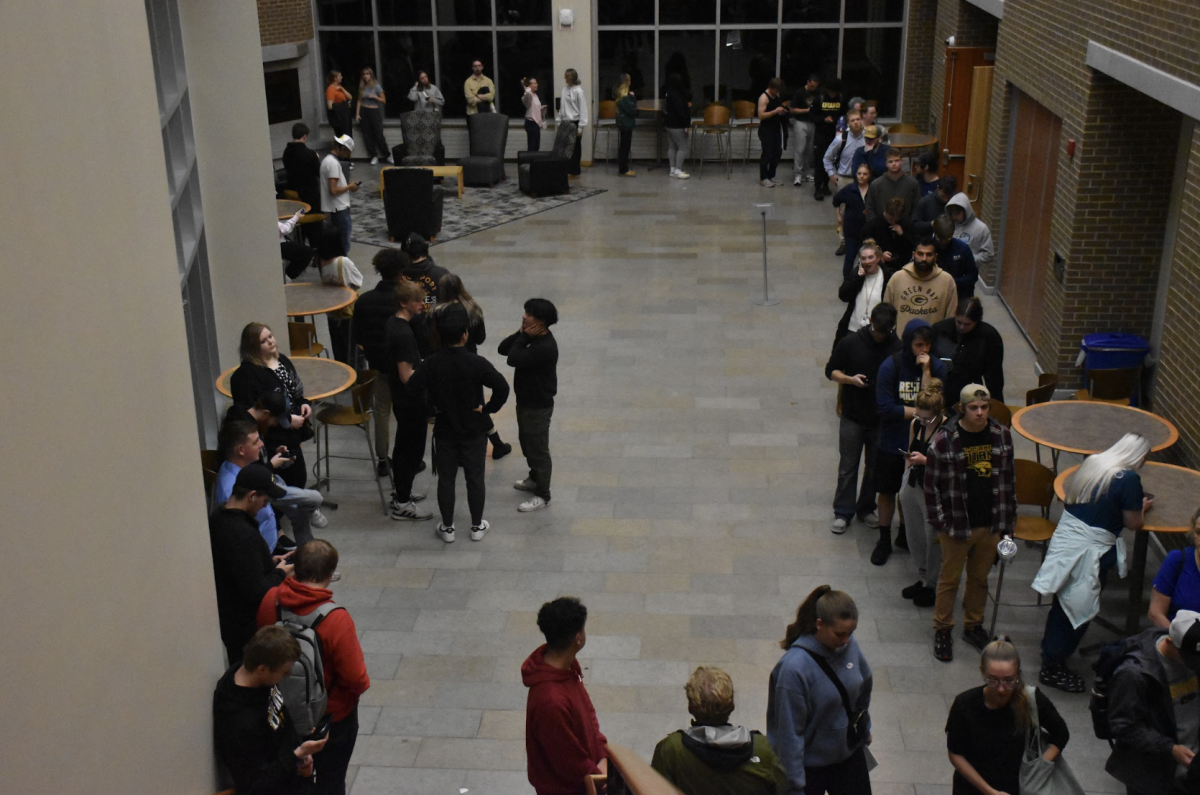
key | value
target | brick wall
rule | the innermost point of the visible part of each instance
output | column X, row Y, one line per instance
column 284, row 21
column 971, row 27
column 918, row 62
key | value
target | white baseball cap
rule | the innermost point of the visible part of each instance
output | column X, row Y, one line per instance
column 346, row 141
column 1185, row 636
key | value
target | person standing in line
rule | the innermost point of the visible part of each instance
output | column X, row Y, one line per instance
column 921, row 290
column 804, row 150
column 849, row 203
column 826, row 120
column 894, row 183
column 338, row 101
column 971, row 230
column 862, row 291
column 425, row 95
column 371, row 99
column 1177, row 584
column 955, row 258
column 677, row 121
column 480, row 91
column 371, row 313
column 771, row 113
column 975, row 348
column 626, row 121
column 925, row 169
column 874, row 152
column 926, row 552
column 403, row 358
column 818, row 700
column 534, row 123
column 574, row 108
column 838, row 157
column 335, row 191
column 533, row 354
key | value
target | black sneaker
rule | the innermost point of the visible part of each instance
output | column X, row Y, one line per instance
column 977, row 636
column 912, row 590
column 882, row 552
column 901, row 541
column 943, row 645
column 819, row 196
column 927, row 597
column 841, row 249
column 1062, row 678
column 501, row 450
column 381, row 469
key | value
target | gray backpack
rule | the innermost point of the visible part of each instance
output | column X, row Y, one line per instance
column 303, row 689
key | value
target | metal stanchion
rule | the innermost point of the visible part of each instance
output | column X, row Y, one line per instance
column 766, row 212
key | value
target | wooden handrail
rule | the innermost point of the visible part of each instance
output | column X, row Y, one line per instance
column 629, row 773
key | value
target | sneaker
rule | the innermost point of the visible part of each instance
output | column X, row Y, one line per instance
column 810, row 178
column 819, row 196
column 882, row 551
column 673, row 172
column 682, row 175
column 1062, row 678
column 628, row 174
column 337, row 575
column 839, row 525
column 871, row 520
column 391, row 160
column 978, row 637
column 943, row 645
column 913, row 590
column 349, row 166
column 901, row 541
column 841, row 249
column 374, row 161
column 533, row 504
column 445, row 533
column 766, row 183
column 500, row 450
column 775, row 184
column 926, row 597
column 318, row 519
column 798, row 180
column 480, row 530
column 408, row 513
column 397, row 505
column 381, row 469
column 525, row 485
column 414, row 497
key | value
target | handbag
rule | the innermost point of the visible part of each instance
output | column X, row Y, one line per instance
column 858, row 728
column 1037, row 776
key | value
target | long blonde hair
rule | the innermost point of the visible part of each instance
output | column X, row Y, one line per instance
column 1002, row 650
column 1095, row 475
column 362, row 84
column 622, row 89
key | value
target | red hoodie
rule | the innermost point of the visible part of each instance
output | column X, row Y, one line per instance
column 562, row 736
column 345, row 670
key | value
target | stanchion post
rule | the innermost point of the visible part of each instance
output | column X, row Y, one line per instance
column 765, row 212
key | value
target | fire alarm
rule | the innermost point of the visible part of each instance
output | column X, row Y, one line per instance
column 566, row 18
column 1070, row 147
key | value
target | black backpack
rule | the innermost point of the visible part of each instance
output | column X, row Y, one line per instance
column 1111, row 657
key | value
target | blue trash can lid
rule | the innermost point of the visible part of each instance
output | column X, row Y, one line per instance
column 1113, row 341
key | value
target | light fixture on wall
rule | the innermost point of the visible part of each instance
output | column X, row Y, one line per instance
column 566, row 18
column 733, row 39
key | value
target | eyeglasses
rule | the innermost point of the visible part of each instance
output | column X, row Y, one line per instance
column 994, row 681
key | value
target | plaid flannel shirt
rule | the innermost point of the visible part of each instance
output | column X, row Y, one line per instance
column 946, row 482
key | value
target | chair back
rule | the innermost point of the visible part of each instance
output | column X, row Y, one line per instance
column 408, row 201
column 1113, row 384
column 422, row 130
column 488, row 133
column 903, row 128
column 1048, row 378
column 291, row 194
column 365, row 377
column 1034, row 484
column 564, row 140
column 1042, row 394
column 303, row 338
column 1000, row 413
column 716, row 116
column 361, row 399
column 744, row 109
column 607, row 109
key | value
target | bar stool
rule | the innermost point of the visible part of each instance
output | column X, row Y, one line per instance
column 358, row 414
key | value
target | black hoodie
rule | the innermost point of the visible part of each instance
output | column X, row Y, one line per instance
column 856, row 354
column 1142, row 718
column 303, row 167
column 255, row 738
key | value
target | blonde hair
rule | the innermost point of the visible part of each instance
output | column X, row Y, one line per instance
column 572, row 77
column 251, row 343
column 871, row 244
column 622, row 89
column 374, row 81
column 1096, row 473
column 710, row 695
column 930, row 397
column 409, row 291
column 1002, row 650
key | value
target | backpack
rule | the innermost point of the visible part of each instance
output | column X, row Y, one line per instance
column 1111, row 657
column 303, row 689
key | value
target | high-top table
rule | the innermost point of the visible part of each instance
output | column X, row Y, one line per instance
column 314, row 298
column 286, row 208
column 322, row 377
column 1088, row 427
column 1176, row 493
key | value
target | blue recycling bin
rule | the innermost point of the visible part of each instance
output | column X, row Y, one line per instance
column 1114, row 351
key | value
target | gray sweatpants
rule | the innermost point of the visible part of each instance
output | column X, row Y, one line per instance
column 922, row 540
column 803, row 135
column 677, row 147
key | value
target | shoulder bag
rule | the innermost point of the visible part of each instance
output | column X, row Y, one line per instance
column 1039, row 777
column 857, row 728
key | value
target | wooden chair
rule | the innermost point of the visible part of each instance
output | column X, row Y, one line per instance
column 1034, row 487
column 358, row 414
column 1048, row 378
column 1000, row 412
column 715, row 122
column 303, row 339
column 744, row 119
column 1111, row 386
column 210, row 463
column 606, row 122
column 1043, row 394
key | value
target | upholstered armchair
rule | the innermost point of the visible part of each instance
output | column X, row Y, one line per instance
column 545, row 173
column 484, row 167
column 422, row 131
column 411, row 202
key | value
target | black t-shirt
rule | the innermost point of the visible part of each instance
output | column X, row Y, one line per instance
column 401, row 346
column 977, row 447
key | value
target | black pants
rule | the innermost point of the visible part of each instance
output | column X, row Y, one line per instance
column 371, row 121
column 824, row 139
column 409, row 448
column 340, row 338
column 845, row 778
column 624, row 142
column 449, row 454
column 296, row 473
column 298, row 257
column 340, row 119
column 533, row 432
column 331, row 763
column 533, row 135
column 574, row 168
column 771, row 139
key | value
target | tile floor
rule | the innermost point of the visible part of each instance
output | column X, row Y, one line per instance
column 694, row 441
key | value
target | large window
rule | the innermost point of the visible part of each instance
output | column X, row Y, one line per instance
column 727, row 50
column 400, row 38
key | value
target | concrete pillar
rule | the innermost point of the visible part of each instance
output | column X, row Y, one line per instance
column 573, row 50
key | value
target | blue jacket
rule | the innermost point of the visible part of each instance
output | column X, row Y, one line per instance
column 897, row 385
column 956, row 259
column 806, row 720
column 876, row 160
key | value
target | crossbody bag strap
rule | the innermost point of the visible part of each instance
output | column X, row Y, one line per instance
column 1035, row 727
column 836, row 682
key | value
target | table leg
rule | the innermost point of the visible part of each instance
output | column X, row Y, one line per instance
column 1137, row 580
column 460, row 182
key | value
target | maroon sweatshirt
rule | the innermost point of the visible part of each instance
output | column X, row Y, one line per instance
column 562, row 736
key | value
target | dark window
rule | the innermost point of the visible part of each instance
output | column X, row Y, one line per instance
column 404, row 54
column 760, row 11
column 687, row 12
column 404, row 12
column 457, row 50
column 283, row 96
column 344, row 12
column 464, row 12
column 807, row 51
column 625, row 12
column 870, row 65
column 874, row 10
column 347, row 52
column 624, row 51
column 691, row 53
column 747, row 64
column 812, row 11
column 523, row 12
column 523, row 54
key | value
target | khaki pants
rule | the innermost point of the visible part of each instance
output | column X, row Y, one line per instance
column 976, row 554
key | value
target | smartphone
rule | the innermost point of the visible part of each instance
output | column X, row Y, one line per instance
column 322, row 730
column 903, row 452
column 359, row 183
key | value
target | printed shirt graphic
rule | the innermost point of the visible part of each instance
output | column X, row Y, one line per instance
column 920, row 299
column 909, row 391
column 275, row 709
column 977, row 454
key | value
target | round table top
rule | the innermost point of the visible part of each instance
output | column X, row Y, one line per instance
column 1087, row 427
column 286, row 208
column 322, row 377
column 313, row 298
column 911, row 140
column 1176, row 493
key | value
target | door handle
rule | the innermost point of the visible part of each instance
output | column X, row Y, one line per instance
column 973, row 182
column 947, row 157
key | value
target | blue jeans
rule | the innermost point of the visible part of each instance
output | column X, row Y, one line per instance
column 297, row 505
column 341, row 220
column 1060, row 639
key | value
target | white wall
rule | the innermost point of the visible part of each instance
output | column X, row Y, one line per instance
column 573, row 50
column 110, row 644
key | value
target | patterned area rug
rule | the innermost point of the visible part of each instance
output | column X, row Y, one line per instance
column 480, row 208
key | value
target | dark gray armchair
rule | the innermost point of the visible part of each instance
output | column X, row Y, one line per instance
column 422, row 130
column 545, row 173
column 411, row 202
column 488, row 132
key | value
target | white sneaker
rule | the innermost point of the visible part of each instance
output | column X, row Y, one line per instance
column 839, row 525
column 766, row 183
column 871, row 520
column 478, row 532
column 525, row 485
column 533, row 504
column 408, row 513
column 682, row 175
column 391, row 160
column 797, row 180
column 318, row 519
column 674, row 172
column 374, row 161
column 445, row 533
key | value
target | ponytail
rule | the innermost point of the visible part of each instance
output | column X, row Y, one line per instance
column 825, row 605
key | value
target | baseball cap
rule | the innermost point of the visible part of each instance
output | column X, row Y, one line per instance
column 1185, row 635
column 871, row 132
column 346, row 141
column 274, row 403
column 257, row 477
column 927, row 159
column 974, row 392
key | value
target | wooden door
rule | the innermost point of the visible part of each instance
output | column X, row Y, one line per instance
column 977, row 132
column 956, row 105
column 1033, row 154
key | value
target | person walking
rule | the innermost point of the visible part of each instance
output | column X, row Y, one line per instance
column 771, row 113
column 626, row 121
column 677, row 121
column 371, row 99
column 534, row 123
column 574, row 108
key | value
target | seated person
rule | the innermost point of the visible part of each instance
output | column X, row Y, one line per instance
column 254, row 736
column 1177, row 586
column 712, row 756
column 889, row 232
column 297, row 255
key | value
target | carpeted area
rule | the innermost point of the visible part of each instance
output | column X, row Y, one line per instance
column 480, row 209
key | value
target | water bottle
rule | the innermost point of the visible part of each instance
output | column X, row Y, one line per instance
column 1007, row 548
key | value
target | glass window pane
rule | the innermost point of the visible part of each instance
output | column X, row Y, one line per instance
column 690, row 52
column 747, row 64
column 762, row 11
column 464, row 12
column 871, row 65
column 687, row 12
column 624, row 51
column 457, row 50
column 404, row 12
column 344, row 12
column 404, row 54
column 808, row 51
column 523, row 54
column 624, row 12
column 812, row 11
column 347, row 52
column 874, row 10
column 523, row 12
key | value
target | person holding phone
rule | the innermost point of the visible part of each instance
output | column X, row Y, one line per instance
column 534, row 122
column 926, row 552
column 479, row 90
column 335, row 191
column 425, row 95
column 371, row 100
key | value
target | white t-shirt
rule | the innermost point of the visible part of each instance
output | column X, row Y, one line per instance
column 331, row 168
column 870, row 295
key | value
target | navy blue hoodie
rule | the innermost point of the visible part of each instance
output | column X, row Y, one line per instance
column 897, row 385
